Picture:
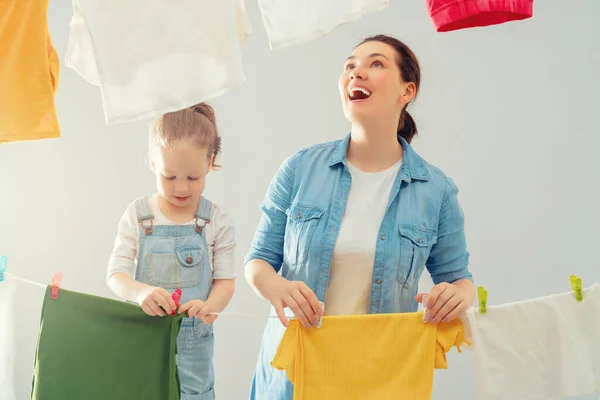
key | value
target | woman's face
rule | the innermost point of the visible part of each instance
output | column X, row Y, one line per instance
column 371, row 84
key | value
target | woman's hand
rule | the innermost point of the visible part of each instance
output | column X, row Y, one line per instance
column 298, row 297
column 152, row 298
column 445, row 302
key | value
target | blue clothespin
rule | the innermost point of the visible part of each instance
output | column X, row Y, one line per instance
column 3, row 261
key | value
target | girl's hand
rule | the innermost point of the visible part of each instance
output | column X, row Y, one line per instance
column 198, row 309
column 444, row 303
column 298, row 297
column 152, row 298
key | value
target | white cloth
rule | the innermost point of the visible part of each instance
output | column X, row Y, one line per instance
column 20, row 313
column 290, row 22
column 220, row 237
column 150, row 57
column 540, row 349
column 351, row 272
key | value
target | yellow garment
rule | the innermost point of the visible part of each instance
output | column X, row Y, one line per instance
column 29, row 70
column 366, row 357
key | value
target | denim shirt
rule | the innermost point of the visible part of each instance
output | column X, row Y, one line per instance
column 423, row 227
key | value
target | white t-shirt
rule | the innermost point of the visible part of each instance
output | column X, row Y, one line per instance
column 291, row 22
column 220, row 237
column 150, row 57
column 351, row 273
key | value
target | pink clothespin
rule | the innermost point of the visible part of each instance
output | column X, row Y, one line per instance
column 176, row 297
column 56, row 280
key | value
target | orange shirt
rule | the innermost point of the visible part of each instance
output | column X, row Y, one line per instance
column 29, row 70
column 366, row 357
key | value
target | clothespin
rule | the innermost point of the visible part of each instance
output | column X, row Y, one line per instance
column 576, row 285
column 56, row 280
column 482, row 295
column 3, row 261
column 320, row 323
column 176, row 296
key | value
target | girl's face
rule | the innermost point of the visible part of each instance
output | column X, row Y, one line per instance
column 371, row 84
column 181, row 173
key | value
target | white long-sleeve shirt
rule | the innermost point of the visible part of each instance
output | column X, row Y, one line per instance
column 220, row 237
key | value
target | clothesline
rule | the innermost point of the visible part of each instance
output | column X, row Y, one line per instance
column 227, row 314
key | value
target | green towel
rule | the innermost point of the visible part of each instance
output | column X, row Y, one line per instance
column 94, row 348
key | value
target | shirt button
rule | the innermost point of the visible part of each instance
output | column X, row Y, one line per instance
column 299, row 216
column 420, row 240
column 382, row 237
column 378, row 281
column 189, row 260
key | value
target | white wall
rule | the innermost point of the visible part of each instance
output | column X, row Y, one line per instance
column 510, row 112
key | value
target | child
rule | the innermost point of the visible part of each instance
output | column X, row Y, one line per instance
column 178, row 239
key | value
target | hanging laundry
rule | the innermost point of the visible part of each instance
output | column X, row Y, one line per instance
column 290, row 22
column 20, row 310
column 29, row 72
column 367, row 357
column 150, row 57
column 538, row 349
column 451, row 15
column 95, row 348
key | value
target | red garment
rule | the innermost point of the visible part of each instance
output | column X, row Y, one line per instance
column 451, row 15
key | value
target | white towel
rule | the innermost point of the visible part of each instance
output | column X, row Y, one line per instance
column 546, row 348
column 290, row 22
column 20, row 313
column 150, row 57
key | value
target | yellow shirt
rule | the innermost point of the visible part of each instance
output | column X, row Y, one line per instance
column 29, row 70
column 366, row 357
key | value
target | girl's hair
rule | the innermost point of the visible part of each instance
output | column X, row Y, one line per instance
column 196, row 124
column 410, row 71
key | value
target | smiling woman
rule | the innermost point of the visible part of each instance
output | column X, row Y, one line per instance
column 353, row 223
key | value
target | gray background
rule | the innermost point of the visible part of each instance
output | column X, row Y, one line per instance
column 509, row 111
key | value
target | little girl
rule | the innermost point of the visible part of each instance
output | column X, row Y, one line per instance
column 178, row 239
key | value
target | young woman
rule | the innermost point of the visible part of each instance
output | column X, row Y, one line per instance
column 353, row 223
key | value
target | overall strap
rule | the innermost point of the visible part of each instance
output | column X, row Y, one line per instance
column 144, row 214
column 204, row 212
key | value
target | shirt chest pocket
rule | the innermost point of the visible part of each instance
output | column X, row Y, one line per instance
column 181, row 269
column 301, row 225
column 415, row 246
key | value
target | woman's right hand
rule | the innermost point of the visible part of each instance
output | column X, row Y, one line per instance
column 152, row 298
column 298, row 297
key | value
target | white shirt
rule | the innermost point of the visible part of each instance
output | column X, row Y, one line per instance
column 537, row 349
column 220, row 237
column 351, row 272
column 150, row 57
column 290, row 22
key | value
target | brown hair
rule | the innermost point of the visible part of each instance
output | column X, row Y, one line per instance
column 410, row 72
column 196, row 124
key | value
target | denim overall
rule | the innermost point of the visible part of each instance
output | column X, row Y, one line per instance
column 176, row 256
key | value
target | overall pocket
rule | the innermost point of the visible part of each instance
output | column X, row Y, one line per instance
column 301, row 224
column 415, row 245
column 175, row 270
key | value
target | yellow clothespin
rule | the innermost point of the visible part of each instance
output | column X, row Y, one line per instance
column 482, row 294
column 576, row 285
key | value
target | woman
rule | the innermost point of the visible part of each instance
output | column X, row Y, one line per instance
column 353, row 223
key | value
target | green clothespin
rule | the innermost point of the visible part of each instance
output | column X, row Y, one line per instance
column 482, row 294
column 576, row 285
column 3, row 261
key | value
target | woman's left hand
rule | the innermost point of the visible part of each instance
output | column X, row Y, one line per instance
column 444, row 303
